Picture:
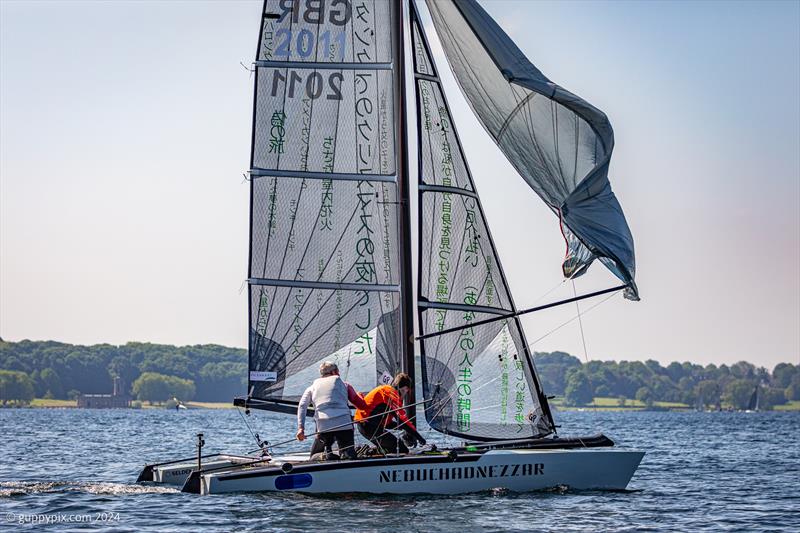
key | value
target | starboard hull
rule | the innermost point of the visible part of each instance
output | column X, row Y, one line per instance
column 516, row 470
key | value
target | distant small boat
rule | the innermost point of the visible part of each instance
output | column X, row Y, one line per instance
column 752, row 405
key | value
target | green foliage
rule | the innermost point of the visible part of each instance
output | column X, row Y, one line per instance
column 15, row 386
column 64, row 370
column 51, row 383
column 784, row 373
column 579, row 390
column 738, row 392
column 770, row 397
column 792, row 392
column 155, row 387
column 645, row 395
column 708, row 393
column 553, row 368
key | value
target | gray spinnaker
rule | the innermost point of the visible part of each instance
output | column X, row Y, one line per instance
column 560, row 144
column 324, row 248
column 479, row 381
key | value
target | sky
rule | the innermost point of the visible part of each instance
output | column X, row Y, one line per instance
column 125, row 133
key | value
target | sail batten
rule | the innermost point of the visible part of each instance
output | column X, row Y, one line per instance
column 333, row 176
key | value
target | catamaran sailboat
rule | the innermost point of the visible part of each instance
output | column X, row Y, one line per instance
column 331, row 227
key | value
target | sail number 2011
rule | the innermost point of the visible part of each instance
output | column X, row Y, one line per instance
column 313, row 86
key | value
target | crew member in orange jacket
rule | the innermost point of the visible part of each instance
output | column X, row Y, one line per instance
column 388, row 399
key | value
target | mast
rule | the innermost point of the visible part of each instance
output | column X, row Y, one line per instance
column 406, row 281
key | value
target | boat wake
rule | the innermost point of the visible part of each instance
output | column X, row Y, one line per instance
column 20, row 488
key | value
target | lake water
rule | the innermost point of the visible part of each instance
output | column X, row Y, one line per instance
column 702, row 471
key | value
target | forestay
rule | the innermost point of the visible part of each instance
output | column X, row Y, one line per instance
column 560, row 144
column 323, row 273
column 480, row 380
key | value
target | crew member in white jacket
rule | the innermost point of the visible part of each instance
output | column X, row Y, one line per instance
column 330, row 396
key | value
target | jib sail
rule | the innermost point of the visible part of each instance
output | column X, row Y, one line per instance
column 560, row 144
column 323, row 272
column 480, row 380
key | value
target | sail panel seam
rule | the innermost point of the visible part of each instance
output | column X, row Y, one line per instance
column 325, row 285
column 463, row 307
column 322, row 66
column 447, row 189
column 426, row 77
column 335, row 176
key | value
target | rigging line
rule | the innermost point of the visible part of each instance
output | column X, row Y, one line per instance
column 302, row 259
column 278, row 160
column 466, row 64
column 300, row 263
column 315, row 315
column 321, row 335
column 303, row 181
column 475, row 207
column 291, row 229
column 258, row 441
column 333, row 293
column 604, row 300
column 524, row 102
column 585, row 351
column 318, row 215
column 421, row 167
column 524, row 311
column 455, row 272
column 576, row 125
column 554, row 110
column 421, row 164
column 350, row 423
column 439, row 96
column 274, row 184
column 446, row 401
column 455, row 345
column 550, row 291
column 529, row 125
column 453, row 392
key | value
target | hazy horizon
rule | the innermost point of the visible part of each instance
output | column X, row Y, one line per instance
column 125, row 130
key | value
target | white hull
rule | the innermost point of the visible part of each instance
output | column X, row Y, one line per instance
column 176, row 473
column 517, row 470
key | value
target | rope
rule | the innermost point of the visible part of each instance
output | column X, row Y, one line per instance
column 585, row 351
column 255, row 436
column 341, row 426
column 604, row 300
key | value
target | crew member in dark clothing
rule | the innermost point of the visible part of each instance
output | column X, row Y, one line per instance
column 388, row 399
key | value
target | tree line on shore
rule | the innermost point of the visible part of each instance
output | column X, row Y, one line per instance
column 147, row 372
column 691, row 384
column 213, row 373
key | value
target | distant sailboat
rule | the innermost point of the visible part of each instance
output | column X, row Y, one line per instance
column 752, row 404
column 331, row 265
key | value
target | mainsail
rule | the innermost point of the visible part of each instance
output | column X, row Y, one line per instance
column 324, row 275
column 479, row 380
column 329, row 271
column 560, row 144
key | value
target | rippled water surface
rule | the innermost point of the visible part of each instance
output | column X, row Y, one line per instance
column 733, row 471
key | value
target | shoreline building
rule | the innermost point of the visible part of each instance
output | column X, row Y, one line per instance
column 118, row 399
